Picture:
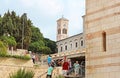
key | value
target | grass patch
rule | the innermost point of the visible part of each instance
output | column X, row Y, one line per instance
column 25, row 57
column 60, row 76
column 22, row 73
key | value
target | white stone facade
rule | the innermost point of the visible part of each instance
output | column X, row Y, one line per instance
column 71, row 44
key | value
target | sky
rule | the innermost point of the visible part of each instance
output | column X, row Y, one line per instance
column 45, row 13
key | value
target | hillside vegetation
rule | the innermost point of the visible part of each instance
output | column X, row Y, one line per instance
column 19, row 32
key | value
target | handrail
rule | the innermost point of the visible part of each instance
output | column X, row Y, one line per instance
column 70, row 71
column 82, row 70
column 42, row 75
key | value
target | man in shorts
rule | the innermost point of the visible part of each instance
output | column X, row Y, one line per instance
column 65, row 66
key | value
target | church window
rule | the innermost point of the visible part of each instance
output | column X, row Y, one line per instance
column 71, row 45
column 66, row 47
column 61, row 49
column 104, row 40
column 81, row 42
column 59, row 31
column 64, row 25
column 76, row 45
column 64, row 31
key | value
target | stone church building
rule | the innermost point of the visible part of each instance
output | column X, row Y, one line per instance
column 72, row 46
column 99, row 44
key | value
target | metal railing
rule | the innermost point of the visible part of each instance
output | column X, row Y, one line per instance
column 42, row 75
column 81, row 71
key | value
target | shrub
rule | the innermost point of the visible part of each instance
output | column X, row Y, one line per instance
column 3, row 49
column 25, row 57
column 60, row 76
column 22, row 73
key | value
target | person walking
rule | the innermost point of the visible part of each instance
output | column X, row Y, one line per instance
column 70, row 66
column 49, row 59
column 76, row 68
column 65, row 67
column 33, row 57
column 49, row 71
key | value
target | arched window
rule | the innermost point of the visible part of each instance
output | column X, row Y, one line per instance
column 64, row 25
column 66, row 47
column 71, row 45
column 64, row 31
column 81, row 42
column 59, row 31
column 61, row 49
column 76, row 45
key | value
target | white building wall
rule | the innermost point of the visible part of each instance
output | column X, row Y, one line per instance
column 73, row 43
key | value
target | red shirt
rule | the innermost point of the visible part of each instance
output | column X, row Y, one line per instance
column 65, row 66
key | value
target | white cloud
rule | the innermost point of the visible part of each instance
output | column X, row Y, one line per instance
column 75, row 11
column 27, row 3
column 44, row 13
column 48, row 7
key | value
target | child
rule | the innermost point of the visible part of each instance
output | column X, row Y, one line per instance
column 49, row 71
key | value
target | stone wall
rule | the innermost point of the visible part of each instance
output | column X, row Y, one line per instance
column 102, row 16
column 11, row 65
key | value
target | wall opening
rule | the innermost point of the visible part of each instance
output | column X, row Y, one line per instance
column 104, row 41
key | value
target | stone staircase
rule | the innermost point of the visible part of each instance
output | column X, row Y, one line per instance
column 72, row 76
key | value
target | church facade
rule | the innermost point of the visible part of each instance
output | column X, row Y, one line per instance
column 72, row 47
column 71, row 43
column 100, row 38
column 68, row 45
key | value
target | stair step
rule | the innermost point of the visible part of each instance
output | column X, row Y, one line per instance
column 73, row 76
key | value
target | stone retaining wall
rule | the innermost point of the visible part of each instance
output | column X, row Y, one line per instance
column 11, row 65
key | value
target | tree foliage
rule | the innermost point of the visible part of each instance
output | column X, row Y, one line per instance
column 9, row 40
column 51, row 44
column 3, row 49
column 20, row 29
column 36, row 34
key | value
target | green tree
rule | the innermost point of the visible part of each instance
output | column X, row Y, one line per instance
column 36, row 34
column 1, row 27
column 51, row 44
column 45, row 50
column 22, row 29
column 36, row 46
column 9, row 41
column 10, row 26
column 3, row 49
column 26, row 30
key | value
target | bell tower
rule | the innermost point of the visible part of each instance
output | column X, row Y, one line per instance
column 62, row 28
